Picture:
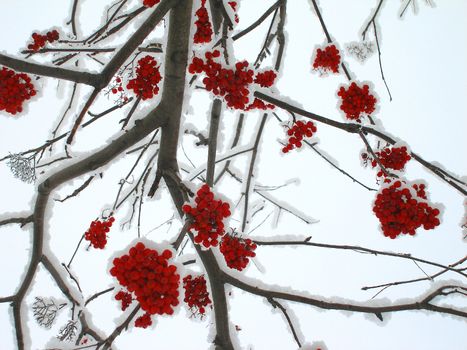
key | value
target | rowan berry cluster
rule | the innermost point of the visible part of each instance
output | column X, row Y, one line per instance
column 125, row 298
column 15, row 88
column 150, row 3
column 390, row 157
column 97, row 232
column 236, row 251
column 147, row 78
column 203, row 25
column 41, row 40
column 232, row 84
column 196, row 293
column 400, row 211
column 148, row 275
column 207, row 217
column 327, row 60
column 259, row 104
column 266, row 78
column 233, row 5
column 356, row 101
column 297, row 132
column 143, row 321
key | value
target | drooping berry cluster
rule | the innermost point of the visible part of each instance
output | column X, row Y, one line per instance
column 356, row 101
column 196, row 293
column 143, row 321
column 147, row 78
column 203, row 25
column 15, row 88
column 148, row 275
column 297, row 132
column 41, row 40
column 97, row 232
column 236, row 251
column 150, row 3
column 393, row 158
column 207, row 216
column 125, row 298
column 327, row 60
column 232, row 84
column 233, row 5
column 400, row 211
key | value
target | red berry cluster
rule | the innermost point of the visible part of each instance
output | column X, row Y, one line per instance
column 356, row 101
column 207, row 217
column 203, row 25
column 150, row 3
column 259, row 104
column 390, row 157
column 297, row 132
column 236, row 251
column 399, row 211
column 147, row 78
column 97, row 232
column 231, row 84
column 147, row 274
column 143, row 321
column 41, row 40
column 233, row 5
column 15, row 88
column 118, row 86
column 125, row 298
column 327, row 60
column 196, row 293
column 266, row 78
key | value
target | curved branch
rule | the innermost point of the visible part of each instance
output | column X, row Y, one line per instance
column 423, row 304
column 356, row 129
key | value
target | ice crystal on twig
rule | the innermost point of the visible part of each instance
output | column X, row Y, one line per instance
column 68, row 332
column 23, row 168
column 361, row 50
column 45, row 311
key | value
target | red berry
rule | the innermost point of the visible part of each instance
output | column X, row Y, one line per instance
column 150, row 3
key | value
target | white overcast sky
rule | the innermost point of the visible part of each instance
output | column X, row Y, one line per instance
column 424, row 57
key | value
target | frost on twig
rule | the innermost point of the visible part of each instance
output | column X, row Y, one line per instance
column 361, row 51
column 45, row 311
column 23, row 168
column 68, row 332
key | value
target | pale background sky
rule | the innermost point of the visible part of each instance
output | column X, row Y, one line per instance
column 424, row 59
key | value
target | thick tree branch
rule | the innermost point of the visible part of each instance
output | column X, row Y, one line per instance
column 81, row 77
